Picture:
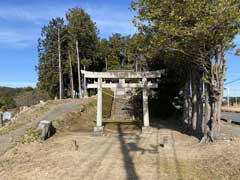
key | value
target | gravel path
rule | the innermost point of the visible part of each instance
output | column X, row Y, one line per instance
column 8, row 140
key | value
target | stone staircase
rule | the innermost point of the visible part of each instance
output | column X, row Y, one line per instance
column 122, row 114
column 121, row 108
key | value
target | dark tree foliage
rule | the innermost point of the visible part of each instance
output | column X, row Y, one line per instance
column 8, row 95
column 48, row 57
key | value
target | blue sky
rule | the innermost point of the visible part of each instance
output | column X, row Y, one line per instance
column 20, row 26
column 21, row 22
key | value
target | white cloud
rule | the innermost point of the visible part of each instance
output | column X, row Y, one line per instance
column 108, row 20
column 12, row 38
column 36, row 15
column 111, row 19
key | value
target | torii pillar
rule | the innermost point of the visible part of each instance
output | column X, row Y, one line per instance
column 98, row 130
column 146, row 122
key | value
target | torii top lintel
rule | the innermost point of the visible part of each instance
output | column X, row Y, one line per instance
column 123, row 75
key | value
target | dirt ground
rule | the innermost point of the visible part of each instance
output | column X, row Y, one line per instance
column 158, row 153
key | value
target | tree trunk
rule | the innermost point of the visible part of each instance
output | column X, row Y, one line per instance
column 194, row 101
column 186, row 104
column 221, row 86
column 79, row 71
column 60, row 66
column 206, row 112
column 199, row 86
column 136, row 65
column 71, row 76
column 216, row 89
column 106, row 64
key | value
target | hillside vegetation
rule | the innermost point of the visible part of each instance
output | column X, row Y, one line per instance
column 15, row 97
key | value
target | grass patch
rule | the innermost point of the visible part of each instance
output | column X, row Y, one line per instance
column 107, row 102
column 76, row 121
column 31, row 135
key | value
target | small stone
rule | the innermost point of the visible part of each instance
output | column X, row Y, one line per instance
column 227, row 141
column 42, row 102
column 82, row 108
column 46, row 128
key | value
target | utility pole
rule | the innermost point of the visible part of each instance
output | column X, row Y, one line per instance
column 79, row 72
column 84, row 83
column 228, row 90
column 71, row 75
column 60, row 65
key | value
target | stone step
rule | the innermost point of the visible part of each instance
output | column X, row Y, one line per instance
column 122, row 109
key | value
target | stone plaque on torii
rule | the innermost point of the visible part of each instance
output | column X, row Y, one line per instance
column 122, row 75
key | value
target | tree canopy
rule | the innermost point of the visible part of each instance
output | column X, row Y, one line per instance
column 186, row 37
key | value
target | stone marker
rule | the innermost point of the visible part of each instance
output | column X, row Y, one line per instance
column 47, row 129
column 7, row 116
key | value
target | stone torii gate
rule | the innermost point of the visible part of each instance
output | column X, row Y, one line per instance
column 122, row 75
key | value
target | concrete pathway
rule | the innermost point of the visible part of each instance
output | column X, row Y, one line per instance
column 9, row 140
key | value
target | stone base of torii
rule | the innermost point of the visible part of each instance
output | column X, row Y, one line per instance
column 144, row 84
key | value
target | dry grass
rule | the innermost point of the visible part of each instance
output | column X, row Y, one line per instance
column 78, row 121
column 231, row 109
